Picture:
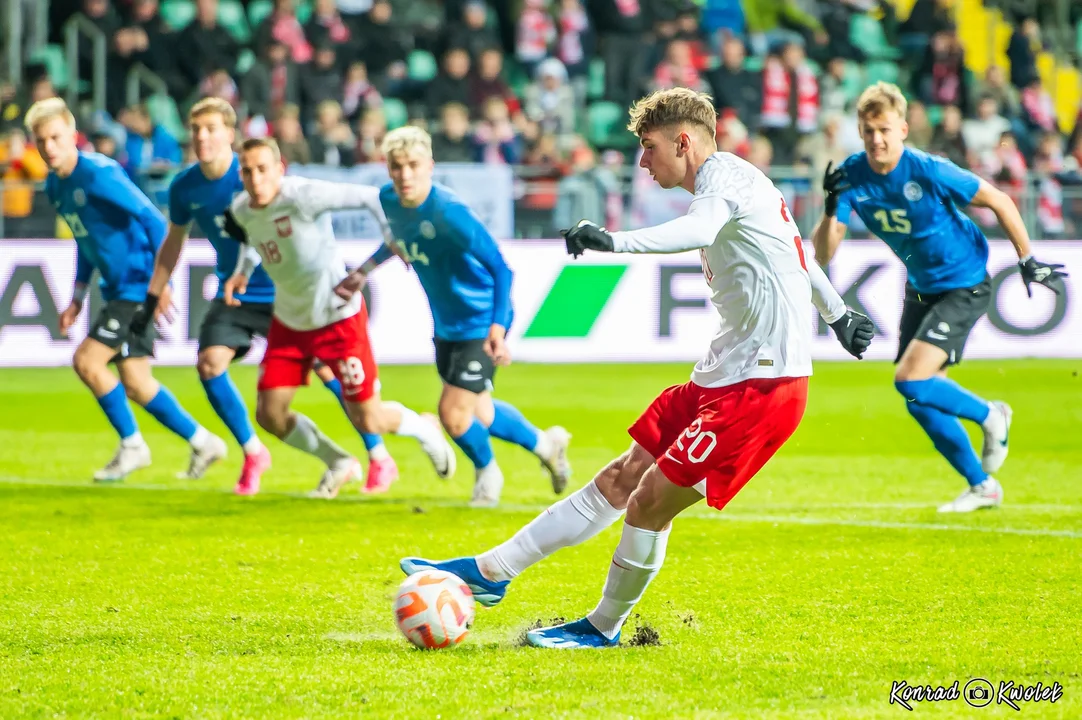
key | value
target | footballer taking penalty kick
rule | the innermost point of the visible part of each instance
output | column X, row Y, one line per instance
column 117, row 230
column 710, row 436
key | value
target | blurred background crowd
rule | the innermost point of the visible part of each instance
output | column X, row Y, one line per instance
column 543, row 86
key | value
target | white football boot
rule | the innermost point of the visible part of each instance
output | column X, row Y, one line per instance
column 997, row 428
column 441, row 454
column 988, row 494
column 344, row 471
column 556, row 462
column 488, row 486
column 213, row 450
column 127, row 460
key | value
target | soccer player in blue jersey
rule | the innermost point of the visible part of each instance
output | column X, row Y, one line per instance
column 913, row 202
column 117, row 230
column 468, row 285
column 202, row 193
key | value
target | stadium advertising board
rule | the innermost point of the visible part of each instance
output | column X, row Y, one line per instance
column 617, row 308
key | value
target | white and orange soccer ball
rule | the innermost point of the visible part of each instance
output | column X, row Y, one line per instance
column 434, row 609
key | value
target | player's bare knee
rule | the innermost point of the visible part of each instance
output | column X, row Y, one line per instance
column 455, row 420
column 367, row 419
column 85, row 366
column 271, row 419
column 210, row 365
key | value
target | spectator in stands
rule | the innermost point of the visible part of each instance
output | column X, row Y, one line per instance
column 220, row 84
column 920, row 126
column 320, row 80
column 106, row 19
column 290, row 136
column 424, row 21
column 536, row 34
column 948, row 141
column 471, row 32
column 204, row 44
column 620, row 26
column 105, row 144
column 583, row 194
column 833, row 95
column 765, row 21
column 1022, row 52
column 495, row 139
column 1005, row 94
column 575, row 44
column 732, row 135
column 1007, row 166
column 983, row 133
column 823, row 147
column 1048, row 167
column 836, row 19
column 149, row 149
column 272, row 82
column 451, row 143
column 327, row 26
column 678, row 69
column 282, row 25
column 25, row 214
column 736, row 88
column 1038, row 110
column 452, row 84
column 761, row 153
column 790, row 101
column 383, row 48
column 487, row 81
column 358, row 94
column 926, row 18
column 942, row 78
column 370, row 131
column 332, row 143
column 550, row 101
column 159, row 55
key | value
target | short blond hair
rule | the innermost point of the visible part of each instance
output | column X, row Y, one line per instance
column 262, row 142
column 406, row 139
column 879, row 98
column 48, row 109
column 216, row 105
column 671, row 108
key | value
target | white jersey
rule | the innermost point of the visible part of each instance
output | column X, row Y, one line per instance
column 295, row 243
column 754, row 264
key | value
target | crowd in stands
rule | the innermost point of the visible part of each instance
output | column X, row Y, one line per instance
column 544, row 84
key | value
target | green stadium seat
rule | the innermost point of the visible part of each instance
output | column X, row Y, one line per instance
column 605, row 125
column 258, row 10
column 935, row 115
column 163, row 111
column 422, row 66
column 178, row 14
column 245, row 61
column 304, row 11
column 55, row 61
column 596, row 88
column 880, row 70
column 867, row 33
column 396, row 113
column 753, row 63
column 231, row 16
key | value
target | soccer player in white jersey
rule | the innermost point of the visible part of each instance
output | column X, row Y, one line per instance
column 709, row 436
column 286, row 224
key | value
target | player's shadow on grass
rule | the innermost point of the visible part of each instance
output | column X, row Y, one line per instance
column 392, row 642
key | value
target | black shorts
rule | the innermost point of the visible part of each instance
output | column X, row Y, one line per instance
column 943, row 319
column 465, row 364
column 234, row 327
column 110, row 328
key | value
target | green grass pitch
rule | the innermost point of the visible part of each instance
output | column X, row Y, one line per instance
column 830, row 575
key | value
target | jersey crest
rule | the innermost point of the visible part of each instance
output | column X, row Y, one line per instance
column 283, row 226
column 912, row 191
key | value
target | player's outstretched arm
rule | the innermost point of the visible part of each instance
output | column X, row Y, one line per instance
column 854, row 330
column 1033, row 271
column 827, row 236
column 830, row 231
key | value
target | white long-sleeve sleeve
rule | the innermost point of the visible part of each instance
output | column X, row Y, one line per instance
column 315, row 197
column 247, row 261
column 697, row 229
column 825, row 298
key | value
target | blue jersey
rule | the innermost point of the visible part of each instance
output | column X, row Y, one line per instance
column 460, row 267
column 116, row 227
column 193, row 197
column 916, row 210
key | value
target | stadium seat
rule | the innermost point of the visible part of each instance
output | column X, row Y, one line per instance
column 163, row 111
column 258, row 10
column 605, row 125
column 178, row 14
column 422, row 66
column 753, row 63
column 231, row 16
column 596, row 89
column 396, row 113
column 245, row 61
column 867, row 33
column 935, row 115
column 880, row 70
column 55, row 61
column 304, row 11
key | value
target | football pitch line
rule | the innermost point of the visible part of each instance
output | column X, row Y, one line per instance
column 728, row 516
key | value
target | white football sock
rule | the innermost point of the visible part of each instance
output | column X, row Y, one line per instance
column 253, row 446
column 573, row 520
column 308, row 438
column 378, row 453
column 198, row 440
column 636, row 561
column 414, row 426
column 133, row 440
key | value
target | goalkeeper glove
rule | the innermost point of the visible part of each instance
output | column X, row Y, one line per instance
column 1038, row 272
column 587, row 236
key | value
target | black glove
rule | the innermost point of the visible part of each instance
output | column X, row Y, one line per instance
column 855, row 332
column 1038, row 272
column 586, row 236
column 834, row 184
column 143, row 315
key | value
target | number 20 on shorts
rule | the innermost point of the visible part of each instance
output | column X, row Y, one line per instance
column 702, row 442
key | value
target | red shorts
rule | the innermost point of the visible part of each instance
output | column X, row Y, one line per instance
column 342, row 346
column 721, row 435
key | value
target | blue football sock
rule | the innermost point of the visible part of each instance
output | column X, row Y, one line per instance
column 115, row 406
column 335, row 386
column 474, row 442
column 950, row 439
column 228, row 403
column 946, row 395
column 511, row 425
column 166, row 410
